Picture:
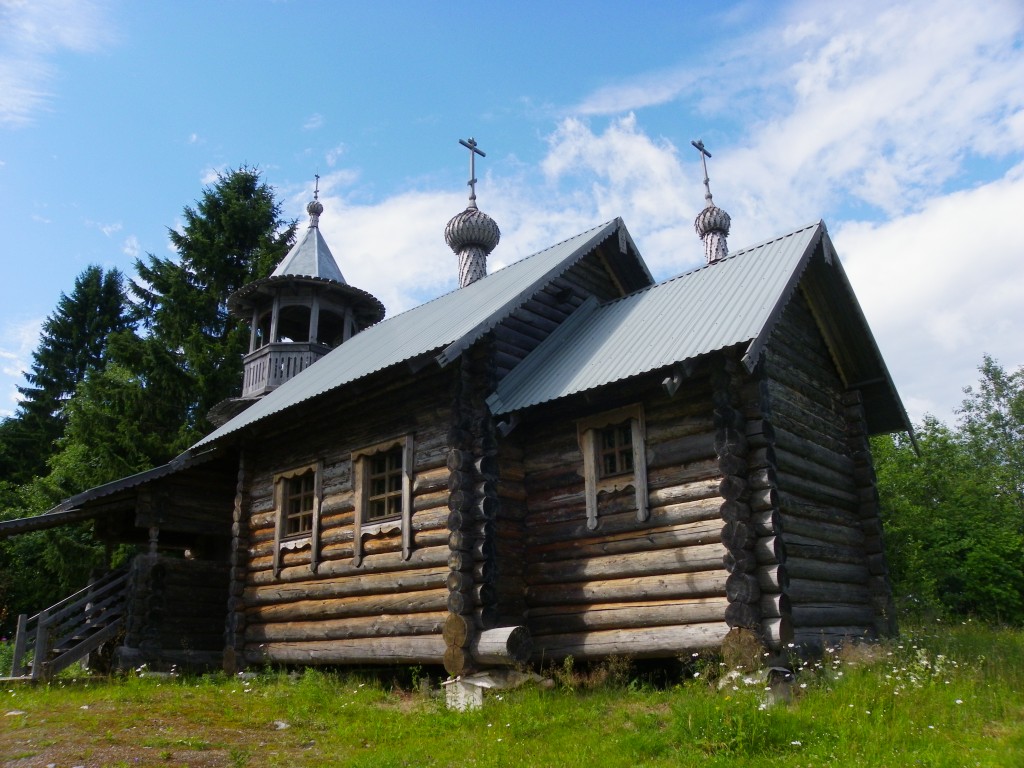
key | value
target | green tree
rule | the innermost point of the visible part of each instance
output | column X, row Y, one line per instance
column 193, row 351
column 952, row 512
column 72, row 343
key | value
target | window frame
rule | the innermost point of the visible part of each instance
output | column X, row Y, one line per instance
column 363, row 526
column 293, row 541
column 589, row 431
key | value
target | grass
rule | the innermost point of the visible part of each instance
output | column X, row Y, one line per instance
column 937, row 697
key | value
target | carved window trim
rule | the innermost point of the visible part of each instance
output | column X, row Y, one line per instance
column 363, row 526
column 311, row 538
column 596, row 481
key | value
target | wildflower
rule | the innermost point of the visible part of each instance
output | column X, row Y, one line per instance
column 796, row 743
column 959, row 701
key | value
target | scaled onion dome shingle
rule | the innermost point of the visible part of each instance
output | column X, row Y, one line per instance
column 470, row 228
column 712, row 219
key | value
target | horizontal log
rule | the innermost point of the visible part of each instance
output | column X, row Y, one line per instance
column 825, row 570
column 579, row 618
column 772, row 578
column 502, row 645
column 818, row 638
column 817, row 492
column 370, row 584
column 747, row 615
column 677, row 585
column 424, row 557
column 344, row 629
column 689, row 559
column 649, row 642
column 831, row 615
column 417, row 601
column 742, row 588
column 420, row 649
column 770, row 549
column 777, row 631
column 642, row 539
column 831, row 552
column 808, row 591
column 797, row 530
column 662, row 515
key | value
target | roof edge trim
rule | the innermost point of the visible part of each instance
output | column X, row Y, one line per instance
column 454, row 350
column 753, row 354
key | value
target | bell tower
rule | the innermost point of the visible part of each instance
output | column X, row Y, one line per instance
column 298, row 314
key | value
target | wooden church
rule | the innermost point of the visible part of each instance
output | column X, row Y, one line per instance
column 561, row 458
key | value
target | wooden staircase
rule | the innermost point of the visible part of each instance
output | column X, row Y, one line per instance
column 64, row 633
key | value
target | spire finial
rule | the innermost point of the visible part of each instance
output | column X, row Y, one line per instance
column 473, row 152
column 712, row 223
column 704, row 155
column 315, row 207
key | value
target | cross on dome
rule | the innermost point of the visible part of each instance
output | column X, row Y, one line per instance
column 473, row 152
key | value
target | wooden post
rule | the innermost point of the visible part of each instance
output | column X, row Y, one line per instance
column 42, row 650
column 20, row 641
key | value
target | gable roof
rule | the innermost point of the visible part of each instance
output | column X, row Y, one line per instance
column 735, row 301
column 444, row 327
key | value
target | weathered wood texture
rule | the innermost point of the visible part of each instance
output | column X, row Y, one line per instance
column 812, row 486
column 651, row 588
column 156, row 624
column 328, row 609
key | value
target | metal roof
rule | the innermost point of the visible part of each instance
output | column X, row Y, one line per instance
column 310, row 257
column 71, row 510
column 446, row 325
column 734, row 301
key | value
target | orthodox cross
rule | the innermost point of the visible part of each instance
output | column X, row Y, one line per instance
column 704, row 155
column 473, row 152
column 316, row 189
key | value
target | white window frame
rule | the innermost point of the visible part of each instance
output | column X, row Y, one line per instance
column 311, row 538
column 362, row 527
column 588, row 433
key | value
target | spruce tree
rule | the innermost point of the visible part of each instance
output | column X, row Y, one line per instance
column 73, row 343
column 192, row 354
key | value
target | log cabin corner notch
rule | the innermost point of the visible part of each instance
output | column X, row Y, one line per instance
column 759, row 513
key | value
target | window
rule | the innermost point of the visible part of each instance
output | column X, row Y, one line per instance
column 297, row 498
column 382, row 489
column 616, row 449
column 612, row 444
column 384, row 476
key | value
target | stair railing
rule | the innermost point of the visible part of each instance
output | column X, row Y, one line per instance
column 58, row 636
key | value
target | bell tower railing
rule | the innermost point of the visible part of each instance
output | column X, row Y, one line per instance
column 273, row 364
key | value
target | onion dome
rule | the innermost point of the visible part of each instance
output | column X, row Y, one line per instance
column 712, row 224
column 472, row 234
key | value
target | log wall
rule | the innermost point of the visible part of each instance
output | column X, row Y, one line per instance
column 157, row 632
column 652, row 588
column 328, row 610
column 814, row 490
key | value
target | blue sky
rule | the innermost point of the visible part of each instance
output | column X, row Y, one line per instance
column 900, row 124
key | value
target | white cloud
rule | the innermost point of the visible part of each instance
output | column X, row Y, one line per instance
column 19, row 340
column 106, row 229
column 942, row 287
column 131, row 246
column 33, row 32
column 193, row 138
column 333, row 155
column 313, row 122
